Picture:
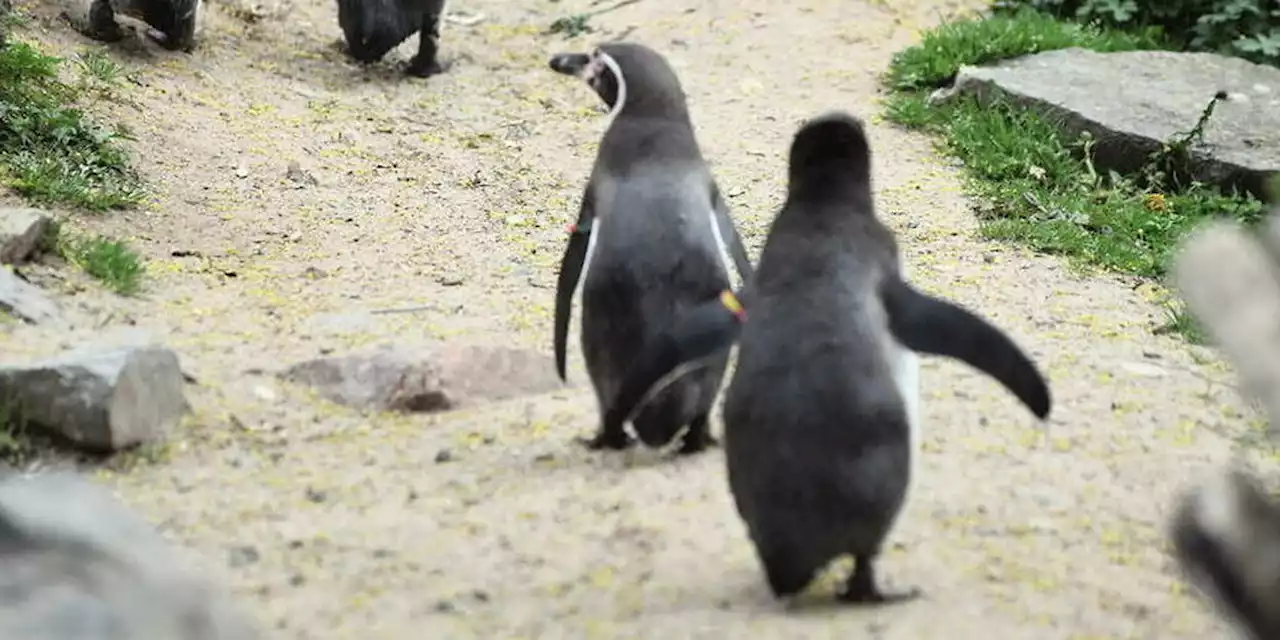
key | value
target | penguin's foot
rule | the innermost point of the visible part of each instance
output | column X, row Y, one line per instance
column 697, row 438
column 419, row 68
column 862, row 587
column 616, row 441
column 696, row 442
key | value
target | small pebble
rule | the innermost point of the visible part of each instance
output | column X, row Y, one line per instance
column 241, row 556
column 443, row 455
column 315, row 495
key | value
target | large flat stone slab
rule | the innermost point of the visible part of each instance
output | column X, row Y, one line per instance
column 1134, row 101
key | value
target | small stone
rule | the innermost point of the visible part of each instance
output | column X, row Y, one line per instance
column 296, row 580
column 444, row 606
column 242, row 171
column 989, row 258
column 241, row 556
column 443, row 455
column 20, row 233
column 299, row 176
column 315, row 495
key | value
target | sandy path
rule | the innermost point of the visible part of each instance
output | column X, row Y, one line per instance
column 453, row 194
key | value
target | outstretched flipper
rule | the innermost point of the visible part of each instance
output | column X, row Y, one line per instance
column 926, row 324
column 687, row 345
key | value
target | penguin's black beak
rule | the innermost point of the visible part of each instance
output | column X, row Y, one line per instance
column 570, row 64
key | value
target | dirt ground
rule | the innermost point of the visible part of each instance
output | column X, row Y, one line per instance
column 452, row 195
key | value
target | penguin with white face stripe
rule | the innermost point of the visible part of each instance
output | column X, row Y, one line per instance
column 822, row 414
column 654, row 238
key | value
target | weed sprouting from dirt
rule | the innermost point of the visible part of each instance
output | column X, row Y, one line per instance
column 107, row 260
column 49, row 150
column 577, row 24
column 1038, row 185
column 110, row 261
column 571, row 26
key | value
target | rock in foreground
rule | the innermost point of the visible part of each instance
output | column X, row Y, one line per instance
column 76, row 564
column 100, row 400
column 1134, row 101
column 414, row 379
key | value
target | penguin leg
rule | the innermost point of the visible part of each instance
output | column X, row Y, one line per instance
column 862, row 587
column 697, row 438
column 610, row 435
column 426, row 63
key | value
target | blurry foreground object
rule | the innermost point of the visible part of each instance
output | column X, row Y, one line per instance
column 75, row 564
column 1226, row 532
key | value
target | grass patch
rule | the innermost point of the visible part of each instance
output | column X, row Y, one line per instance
column 50, row 151
column 110, row 261
column 1038, row 186
column 975, row 41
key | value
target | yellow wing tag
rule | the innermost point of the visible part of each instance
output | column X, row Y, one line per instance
column 731, row 303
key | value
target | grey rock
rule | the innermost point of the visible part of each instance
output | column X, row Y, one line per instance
column 1132, row 102
column 101, row 400
column 27, row 301
column 20, row 233
column 425, row 379
column 77, row 564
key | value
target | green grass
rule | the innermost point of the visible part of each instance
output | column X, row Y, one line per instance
column 110, row 261
column 976, row 41
column 50, row 151
column 1036, row 185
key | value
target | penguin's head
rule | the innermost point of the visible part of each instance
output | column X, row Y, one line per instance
column 625, row 74
column 832, row 144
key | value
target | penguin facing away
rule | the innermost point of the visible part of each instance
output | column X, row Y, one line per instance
column 653, row 238
column 822, row 413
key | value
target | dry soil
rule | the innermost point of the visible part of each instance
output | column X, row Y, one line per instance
column 451, row 195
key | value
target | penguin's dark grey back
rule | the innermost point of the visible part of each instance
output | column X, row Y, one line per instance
column 815, row 295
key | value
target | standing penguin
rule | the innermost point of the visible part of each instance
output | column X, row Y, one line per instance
column 654, row 237
column 821, row 416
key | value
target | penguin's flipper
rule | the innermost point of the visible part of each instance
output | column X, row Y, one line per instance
column 686, row 345
column 729, row 231
column 926, row 324
column 571, row 264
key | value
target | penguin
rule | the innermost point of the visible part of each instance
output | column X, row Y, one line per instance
column 1226, row 539
column 821, row 416
column 653, row 237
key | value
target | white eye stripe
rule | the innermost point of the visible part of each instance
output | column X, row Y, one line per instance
column 621, row 98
